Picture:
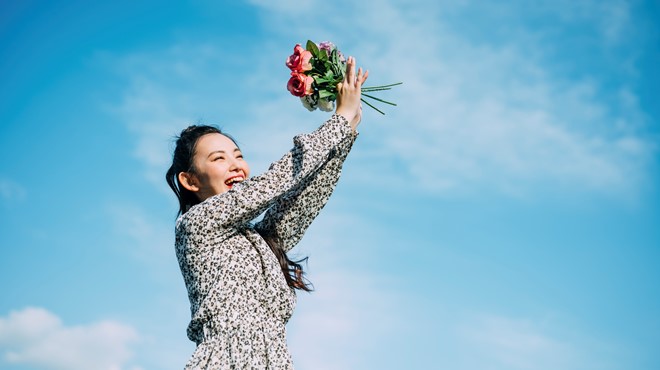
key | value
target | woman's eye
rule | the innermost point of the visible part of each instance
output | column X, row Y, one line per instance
column 218, row 158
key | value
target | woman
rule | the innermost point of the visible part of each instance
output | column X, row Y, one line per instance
column 241, row 284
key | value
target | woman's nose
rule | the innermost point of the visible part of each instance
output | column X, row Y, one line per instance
column 233, row 164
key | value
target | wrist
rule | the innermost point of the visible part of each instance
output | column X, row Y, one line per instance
column 344, row 113
column 345, row 121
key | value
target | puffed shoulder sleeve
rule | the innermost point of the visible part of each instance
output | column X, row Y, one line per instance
column 290, row 216
column 248, row 199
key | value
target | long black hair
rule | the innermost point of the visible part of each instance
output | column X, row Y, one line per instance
column 182, row 161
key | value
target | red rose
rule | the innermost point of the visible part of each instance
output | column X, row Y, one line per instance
column 299, row 84
column 299, row 61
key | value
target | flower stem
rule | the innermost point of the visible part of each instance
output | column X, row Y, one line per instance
column 380, row 100
column 381, row 86
column 375, row 88
column 377, row 110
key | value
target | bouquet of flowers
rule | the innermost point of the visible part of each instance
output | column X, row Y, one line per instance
column 315, row 73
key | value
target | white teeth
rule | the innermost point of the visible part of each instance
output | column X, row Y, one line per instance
column 234, row 180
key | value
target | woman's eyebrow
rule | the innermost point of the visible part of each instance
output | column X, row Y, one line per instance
column 216, row 151
column 222, row 152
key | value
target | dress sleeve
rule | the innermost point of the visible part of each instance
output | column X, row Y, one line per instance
column 248, row 199
column 290, row 216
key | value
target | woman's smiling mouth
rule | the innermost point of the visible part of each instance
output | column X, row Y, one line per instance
column 233, row 180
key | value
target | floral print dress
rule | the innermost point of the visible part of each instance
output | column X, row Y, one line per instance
column 239, row 298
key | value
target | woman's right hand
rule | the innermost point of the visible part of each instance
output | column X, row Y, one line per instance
column 350, row 93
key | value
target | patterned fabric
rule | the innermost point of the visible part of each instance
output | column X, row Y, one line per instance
column 239, row 298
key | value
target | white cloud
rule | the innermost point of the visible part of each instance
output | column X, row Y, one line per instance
column 149, row 239
column 344, row 315
column 514, row 343
column 151, row 115
column 286, row 6
column 609, row 19
column 11, row 190
column 133, row 222
column 37, row 337
column 473, row 115
column 349, row 307
column 484, row 114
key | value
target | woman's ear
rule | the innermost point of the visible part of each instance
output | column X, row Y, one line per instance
column 188, row 181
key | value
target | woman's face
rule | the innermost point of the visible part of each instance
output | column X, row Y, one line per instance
column 218, row 164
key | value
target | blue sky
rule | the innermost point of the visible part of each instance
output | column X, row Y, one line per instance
column 503, row 216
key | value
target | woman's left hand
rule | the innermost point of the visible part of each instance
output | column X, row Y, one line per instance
column 350, row 93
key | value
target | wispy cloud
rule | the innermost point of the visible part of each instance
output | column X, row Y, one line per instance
column 152, row 113
column 474, row 114
column 343, row 316
column 147, row 238
column 150, row 239
column 610, row 19
column 349, row 307
column 513, row 343
column 495, row 113
column 516, row 344
column 36, row 337
column 11, row 190
column 493, row 100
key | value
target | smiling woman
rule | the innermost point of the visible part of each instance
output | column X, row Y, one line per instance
column 241, row 284
column 217, row 162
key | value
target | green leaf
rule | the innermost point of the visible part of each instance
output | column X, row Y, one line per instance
column 320, row 80
column 311, row 46
column 325, row 93
column 339, row 71
column 335, row 56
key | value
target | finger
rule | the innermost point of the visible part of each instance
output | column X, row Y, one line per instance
column 358, row 80
column 350, row 70
column 365, row 76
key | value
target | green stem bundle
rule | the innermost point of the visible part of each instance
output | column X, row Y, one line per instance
column 377, row 88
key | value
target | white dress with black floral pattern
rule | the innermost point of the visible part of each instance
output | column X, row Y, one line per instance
column 239, row 298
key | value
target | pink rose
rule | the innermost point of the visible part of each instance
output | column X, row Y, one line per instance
column 299, row 61
column 299, row 84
